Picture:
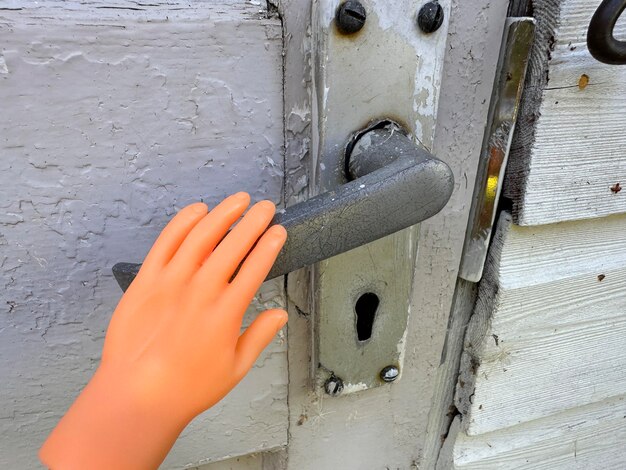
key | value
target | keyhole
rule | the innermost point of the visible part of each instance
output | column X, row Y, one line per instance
column 365, row 309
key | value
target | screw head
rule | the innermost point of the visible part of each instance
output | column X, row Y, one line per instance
column 430, row 17
column 350, row 17
column 389, row 374
column 333, row 386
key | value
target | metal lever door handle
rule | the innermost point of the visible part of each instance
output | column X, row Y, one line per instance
column 600, row 40
column 394, row 184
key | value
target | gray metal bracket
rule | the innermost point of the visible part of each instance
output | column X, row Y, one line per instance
column 389, row 69
column 514, row 57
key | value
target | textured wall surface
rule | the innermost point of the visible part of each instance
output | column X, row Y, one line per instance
column 542, row 381
column 112, row 116
column 567, row 153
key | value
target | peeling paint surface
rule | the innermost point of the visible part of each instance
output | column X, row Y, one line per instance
column 388, row 70
column 113, row 117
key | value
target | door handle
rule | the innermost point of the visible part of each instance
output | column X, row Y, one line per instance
column 391, row 184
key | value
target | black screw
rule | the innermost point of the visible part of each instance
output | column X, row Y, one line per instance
column 389, row 374
column 333, row 386
column 430, row 17
column 350, row 17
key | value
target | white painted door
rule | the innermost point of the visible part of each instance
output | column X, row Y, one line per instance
column 115, row 113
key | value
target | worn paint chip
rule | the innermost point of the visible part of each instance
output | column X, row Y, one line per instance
column 3, row 66
column 583, row 81
column 616, row 188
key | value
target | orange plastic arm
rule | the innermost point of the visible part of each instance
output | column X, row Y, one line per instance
column 173, row 347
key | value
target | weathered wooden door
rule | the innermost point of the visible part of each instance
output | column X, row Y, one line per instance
column 115, row 113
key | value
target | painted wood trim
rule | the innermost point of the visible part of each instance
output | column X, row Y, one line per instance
column 469, row 70
column 444, row 410
column 589, row 437
column 275, row 460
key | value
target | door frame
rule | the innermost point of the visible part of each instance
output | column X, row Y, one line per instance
column 473, row 44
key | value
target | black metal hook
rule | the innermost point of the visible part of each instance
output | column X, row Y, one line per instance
column 600, row 40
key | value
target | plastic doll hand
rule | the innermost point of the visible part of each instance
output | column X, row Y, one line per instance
column 173, row 347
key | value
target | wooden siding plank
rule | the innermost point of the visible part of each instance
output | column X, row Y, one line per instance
column 549, row 329
column 568, row 150
column 589, row 437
